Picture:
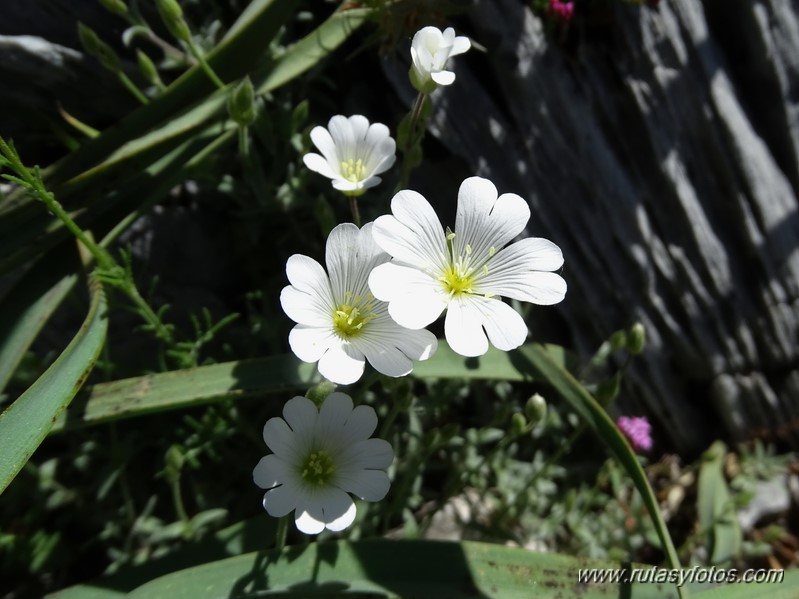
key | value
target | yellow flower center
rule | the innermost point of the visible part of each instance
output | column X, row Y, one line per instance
column 351, row 316
column 353, row 170
column 317, row 469
column 461, row 274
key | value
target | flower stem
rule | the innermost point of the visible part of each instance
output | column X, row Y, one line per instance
column 132, row 87
column 281, row 532
column 195, row 51
column 356, row 213
column 244, row 144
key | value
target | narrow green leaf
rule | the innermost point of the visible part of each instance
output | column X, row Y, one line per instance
column 181, row 388
column 173, row 390
column 534, row 358
column 25, row 310
column 716, row 511
column 27, row 421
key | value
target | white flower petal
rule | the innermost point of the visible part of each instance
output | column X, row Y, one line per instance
column 484, row 221
column 413, row 234
column 311, row 309
column 377, row 146
column 391, row 349
column 341, row 131
column 300, row 414
column 281, row 500
column 415, row 299
column 330, row 506
column 516, row 272
column 307, row 524
column 307, row 275
column 324, row 142
column 309, row 344
column 369, row 485
column 505, row 327
column 360, row 425
column 280, row 439
column 272, row 471
column 463, row 328
column 320, row 165
column 386, row 359
column 342, row 364
column 360, row 126
column 443, row 77
column 372, row 454
column 341, row 254
column 460, row 45
column 333, row 415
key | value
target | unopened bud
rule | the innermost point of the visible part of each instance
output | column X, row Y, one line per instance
column 174, row 463
column 536, row 408
column 636, row 339
column 618, row 340
column 517, row 423
column 241, row 103
column 94, row 46
column 148, row 68
column 318, row 393
column 607, row 390
column 115, row 6
column 172, row 16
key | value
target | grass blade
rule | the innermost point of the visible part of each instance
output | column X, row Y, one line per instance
column 27, row 421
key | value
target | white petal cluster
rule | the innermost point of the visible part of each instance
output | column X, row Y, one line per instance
column 353, row 153
column 466, row 272
column 341, row 324
column 320, row 457
column 430, row 50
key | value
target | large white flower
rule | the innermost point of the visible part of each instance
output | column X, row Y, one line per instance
column 318, row 458
column 353, row 153
column 465, row 272
column 340, row 321
column 430, row 50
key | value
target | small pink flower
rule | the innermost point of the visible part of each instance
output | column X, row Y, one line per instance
column 561, row 10
column 638, row 430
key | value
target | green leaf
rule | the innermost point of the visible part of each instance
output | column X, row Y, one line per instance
column 716, row 510
column 535, row 359
column 27, row 421
column 382, row 568
column 787, row 588
column 182, row 388
column 25, row 310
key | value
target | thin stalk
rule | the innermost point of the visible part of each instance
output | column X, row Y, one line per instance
column 204, row 64
column 180, row 509
column 281, row 532
column 244, row 144
column 132, row 87
column 356, row 213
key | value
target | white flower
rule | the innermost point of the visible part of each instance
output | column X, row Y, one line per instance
column 353, row 153
column 467, row 271
column 340, row 322
column 430, row 50
column 318, row 458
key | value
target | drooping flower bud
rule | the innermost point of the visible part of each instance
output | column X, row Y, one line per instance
column 241, row 103
column 172, row 16
column 94, row 46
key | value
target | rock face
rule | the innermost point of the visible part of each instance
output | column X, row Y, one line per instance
column 660, row 150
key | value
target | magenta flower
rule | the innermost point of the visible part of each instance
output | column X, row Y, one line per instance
column 561, row 10
column 638, row 430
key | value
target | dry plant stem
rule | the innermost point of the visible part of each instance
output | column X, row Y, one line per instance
column 356, row 213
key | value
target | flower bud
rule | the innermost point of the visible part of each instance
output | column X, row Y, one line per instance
column 115, row 6
column 318, row 393
column 94, row 46
column 172, row 16
column 517, row 424
column 174, row 463
column 241, row 103
column 636, row 338
column 618, row 340
column 536, row 408
column 147, row 68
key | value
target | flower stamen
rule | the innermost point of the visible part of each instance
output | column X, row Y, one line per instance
column 353, row 170
column 318, row 468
